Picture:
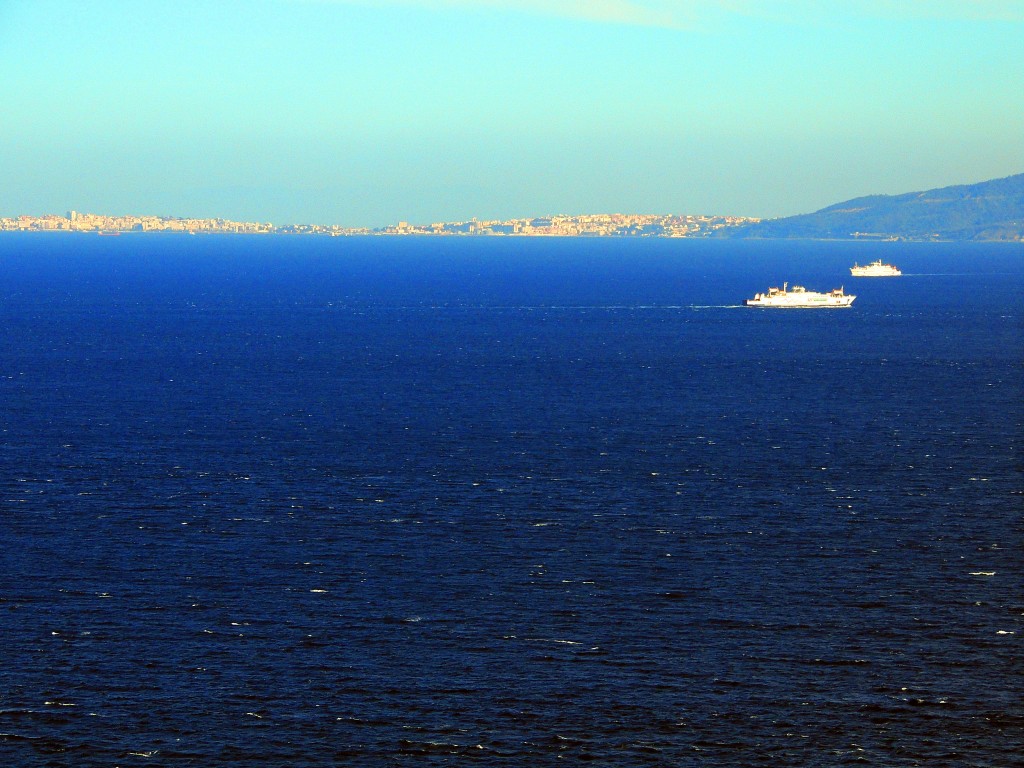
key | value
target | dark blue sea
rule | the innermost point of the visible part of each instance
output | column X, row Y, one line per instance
column 271, row 501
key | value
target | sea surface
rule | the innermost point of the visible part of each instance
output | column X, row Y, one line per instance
column 272, row 501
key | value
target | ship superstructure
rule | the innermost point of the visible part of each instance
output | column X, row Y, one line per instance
column 799, row 297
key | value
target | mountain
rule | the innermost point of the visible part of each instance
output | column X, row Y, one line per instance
column 990, row 210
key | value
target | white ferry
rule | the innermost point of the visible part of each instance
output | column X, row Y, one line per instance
column 875, row 269
column 799, row 297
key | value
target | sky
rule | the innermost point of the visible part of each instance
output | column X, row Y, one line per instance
column 370, row 112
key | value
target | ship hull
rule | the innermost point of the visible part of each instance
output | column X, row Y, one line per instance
column 838, row 303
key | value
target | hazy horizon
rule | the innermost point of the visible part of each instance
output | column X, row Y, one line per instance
column 367, row 113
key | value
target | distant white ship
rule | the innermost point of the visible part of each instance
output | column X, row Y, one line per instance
column 875, row 269
column 799, row 297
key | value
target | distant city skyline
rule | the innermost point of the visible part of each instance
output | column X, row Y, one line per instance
column 589, row 225
column 369, row 112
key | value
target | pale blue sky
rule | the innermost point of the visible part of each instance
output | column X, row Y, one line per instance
column 369, row 112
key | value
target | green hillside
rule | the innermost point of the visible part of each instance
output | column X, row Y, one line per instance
column 990, row 210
